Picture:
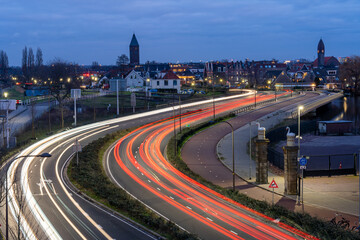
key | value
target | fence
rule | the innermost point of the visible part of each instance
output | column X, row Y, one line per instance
column 330, row 165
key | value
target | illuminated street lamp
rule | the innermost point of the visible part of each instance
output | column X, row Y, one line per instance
column 6, row 94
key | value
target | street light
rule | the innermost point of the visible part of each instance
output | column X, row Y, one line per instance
column 233, row 155
column 255, row 98
column 43, row 155
column 299, row 135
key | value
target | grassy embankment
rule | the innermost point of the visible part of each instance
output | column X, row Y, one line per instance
column 90, row 178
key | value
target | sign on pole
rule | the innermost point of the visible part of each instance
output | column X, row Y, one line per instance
column 75, row 93
column 303, row 161
column 77, row 148
column 273, row 184
column 9, row 104
column 133, row 101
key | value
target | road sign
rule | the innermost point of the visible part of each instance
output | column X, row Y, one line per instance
column 133, row 100
column 273, row 184
column 8, row 104
column 303, row 161
column 302, row 167
column 75, row 93
column 77, row 146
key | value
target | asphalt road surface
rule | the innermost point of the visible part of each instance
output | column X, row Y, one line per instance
column 50, row 209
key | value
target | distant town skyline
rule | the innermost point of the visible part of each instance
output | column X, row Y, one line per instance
column 170, row 31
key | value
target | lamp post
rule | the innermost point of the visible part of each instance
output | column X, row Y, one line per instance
column 213, row 108
column 174, row 125
column 180, row 114
column 117, row 97
column 250, row 150
column 233, row 154
column 6, row 94
column 255, row 98
column 299, row 135
column 43, row 155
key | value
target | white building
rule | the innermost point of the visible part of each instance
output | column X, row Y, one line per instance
column 166, row 81
column 135, row 80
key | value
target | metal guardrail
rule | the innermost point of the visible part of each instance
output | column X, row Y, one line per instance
column 252, row 106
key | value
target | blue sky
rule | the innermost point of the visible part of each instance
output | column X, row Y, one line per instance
column 84, row 31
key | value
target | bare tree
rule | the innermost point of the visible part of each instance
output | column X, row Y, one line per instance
column 31, row 62
column 122, row 60
column 62, row 80
column 24, row 63
column 350, row 73
column 39, row 58
column 4, row 64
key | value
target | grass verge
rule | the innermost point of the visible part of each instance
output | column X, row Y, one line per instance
column 90, row 178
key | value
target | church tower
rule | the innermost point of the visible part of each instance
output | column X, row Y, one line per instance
column 134, row 51
column 321, row 53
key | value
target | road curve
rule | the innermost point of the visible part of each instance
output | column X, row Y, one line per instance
column 137, row 164
column 45, row 207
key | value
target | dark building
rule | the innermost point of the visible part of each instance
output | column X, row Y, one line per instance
column 134, row 51
column 326, row 69
column 321, row 53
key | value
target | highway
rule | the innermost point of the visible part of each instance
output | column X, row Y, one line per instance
column 51, row 209
column 137, row 163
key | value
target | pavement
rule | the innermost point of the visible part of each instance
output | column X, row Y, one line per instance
column 323, row 196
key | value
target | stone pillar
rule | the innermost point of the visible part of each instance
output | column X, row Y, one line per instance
column 262, row 164
column 290, row 165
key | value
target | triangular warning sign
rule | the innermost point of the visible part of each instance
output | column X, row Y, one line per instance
column 273, row 184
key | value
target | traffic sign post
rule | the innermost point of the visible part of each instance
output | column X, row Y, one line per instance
column 75, row 94
column 133, row 101
column 273, row 185
column 302, row 165
column 77, row 148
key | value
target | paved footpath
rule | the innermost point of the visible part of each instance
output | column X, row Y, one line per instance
column 323, row 197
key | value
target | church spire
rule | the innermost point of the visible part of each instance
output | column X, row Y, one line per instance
column 134, row 51
column 321, row 53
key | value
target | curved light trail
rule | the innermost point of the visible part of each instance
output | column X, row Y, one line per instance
column 59, row 211
column 140, row 156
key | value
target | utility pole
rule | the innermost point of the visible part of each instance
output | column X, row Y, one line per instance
column 180, row 113
column 117, row 97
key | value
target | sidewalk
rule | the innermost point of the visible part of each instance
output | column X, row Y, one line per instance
column 323, row 197
column 335, row 194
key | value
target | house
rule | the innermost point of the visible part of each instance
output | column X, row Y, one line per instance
column 135, row 80
column 166, row 81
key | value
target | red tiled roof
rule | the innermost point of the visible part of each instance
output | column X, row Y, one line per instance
column 170, row 75
column 325, row 61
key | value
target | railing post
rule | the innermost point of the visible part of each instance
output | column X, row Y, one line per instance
column 329, row 166
column 355, row 158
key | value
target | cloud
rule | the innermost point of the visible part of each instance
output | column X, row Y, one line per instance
column 178, row 29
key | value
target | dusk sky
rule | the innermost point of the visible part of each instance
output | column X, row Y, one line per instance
column 83, row 31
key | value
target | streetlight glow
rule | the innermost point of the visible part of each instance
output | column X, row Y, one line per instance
column 6, row 94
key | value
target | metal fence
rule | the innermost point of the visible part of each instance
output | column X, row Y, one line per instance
column 330, row 165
